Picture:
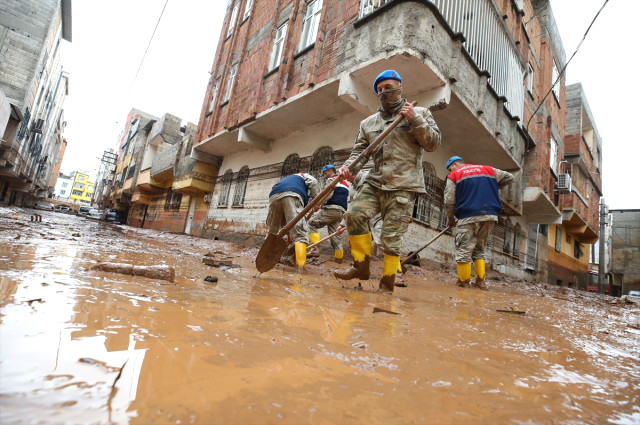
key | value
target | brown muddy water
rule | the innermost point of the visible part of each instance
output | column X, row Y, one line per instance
column 90, row 347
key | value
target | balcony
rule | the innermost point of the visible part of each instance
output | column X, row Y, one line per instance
column 10, row 158
column 575, row 224
column 162, row 169
column 199, row 181
column 166, row 130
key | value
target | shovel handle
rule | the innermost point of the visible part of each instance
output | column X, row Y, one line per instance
column 328, row 188
column 322, row 240
column 413, row 254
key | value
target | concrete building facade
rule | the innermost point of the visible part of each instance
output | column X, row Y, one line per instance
column 34, row 84
column 625, row 250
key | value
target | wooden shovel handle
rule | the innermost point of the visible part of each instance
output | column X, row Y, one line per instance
column 413, row 254
column 328, row 188
column 322, row 240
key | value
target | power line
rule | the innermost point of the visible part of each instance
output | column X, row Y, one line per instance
column 148, row 45
column 566, row 64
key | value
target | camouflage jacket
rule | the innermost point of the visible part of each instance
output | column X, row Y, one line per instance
column 397, row 162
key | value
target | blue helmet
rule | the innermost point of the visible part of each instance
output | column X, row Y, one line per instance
column 328, row 167
column 452, row 160
column 389, row 74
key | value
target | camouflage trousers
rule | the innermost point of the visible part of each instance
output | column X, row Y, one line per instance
column 331, row 218
column 395, row 208
column 471, row 240
column 281, row 212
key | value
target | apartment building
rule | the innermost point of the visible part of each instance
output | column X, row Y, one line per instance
column 156, row 179
column 64, row 183
column 82, row 189
column 35, row 86
column 625, row 250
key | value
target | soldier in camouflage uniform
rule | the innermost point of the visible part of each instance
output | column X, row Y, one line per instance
column 394, row 181
column 471, row 196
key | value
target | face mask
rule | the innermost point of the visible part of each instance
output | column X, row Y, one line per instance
column 391, row 99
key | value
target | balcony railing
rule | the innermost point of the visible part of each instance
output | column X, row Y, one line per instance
column 486, row 41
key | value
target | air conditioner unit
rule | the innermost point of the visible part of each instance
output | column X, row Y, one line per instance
column 564, row 183
column 207, row 198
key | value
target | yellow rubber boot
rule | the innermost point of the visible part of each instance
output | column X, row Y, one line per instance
column 464, row 274
column 361, row 253
column 390, row 267
column 313, row 252
column 479, row 266
column 301, row 253
column 337, row 256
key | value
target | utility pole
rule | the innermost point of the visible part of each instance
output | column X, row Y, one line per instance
column 602, row 265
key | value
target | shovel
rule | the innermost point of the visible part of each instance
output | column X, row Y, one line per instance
column 413, row 254
column 275, row 246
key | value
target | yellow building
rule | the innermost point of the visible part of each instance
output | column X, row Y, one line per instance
column 82, row 189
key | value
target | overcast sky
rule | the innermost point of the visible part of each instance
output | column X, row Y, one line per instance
column 110, row 39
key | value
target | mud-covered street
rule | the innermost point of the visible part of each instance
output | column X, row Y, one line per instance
column 86, row 346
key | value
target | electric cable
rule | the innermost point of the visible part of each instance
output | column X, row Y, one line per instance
column 561, row 73
column 148, row 45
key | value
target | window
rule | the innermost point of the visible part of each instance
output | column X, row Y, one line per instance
column 230, row 80
column 517, row 235
column 558, row 239
column 232, row 21
column 310, row 24
column 278, row 44
column 65, row 184
column 223, row 198
column 76, row 192
column 554, row 77
column 172, row 201
column 577, row 252
column 79, row 186
column 530, row 79
column 321, row 157
column 291, row 165
column 424, row 208
column 506, row 242
column 241, row 186
column 214, row 94
column 247, row 9
column 553, row 155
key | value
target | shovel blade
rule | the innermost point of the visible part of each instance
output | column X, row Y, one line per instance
column 270, row 253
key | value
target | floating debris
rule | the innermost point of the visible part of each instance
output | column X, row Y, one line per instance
column 522, row 313
column 212, row 279
column 382, row 310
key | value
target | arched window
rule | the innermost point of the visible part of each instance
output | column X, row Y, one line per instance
column 516, row 239
column 291, row 165
column 241, row 186
column 425, row 206
column 321, row 157
column 225, row 188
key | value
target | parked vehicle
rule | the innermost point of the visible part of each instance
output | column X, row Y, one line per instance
column 113, row 215
column 62, row 208
column 634, row 293
column 84, row 210
column 94, row 214
column 42, row 205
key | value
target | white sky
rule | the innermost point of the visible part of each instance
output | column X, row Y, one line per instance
column 110, row 38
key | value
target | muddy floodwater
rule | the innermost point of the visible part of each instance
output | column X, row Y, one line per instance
column 82, row 346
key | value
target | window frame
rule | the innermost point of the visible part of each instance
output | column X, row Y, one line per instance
column 558, row 245
column 310, row 24
column 232, row 21
column 214, row 95
column 247, row 10
column 531, row 73
column 278, row 46
column 553, row 155
column 555, row 88
column 231, row 78
column 241, row 187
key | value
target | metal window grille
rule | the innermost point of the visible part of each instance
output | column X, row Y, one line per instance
column 241, row 186
column 223, row 198
column 291, row 165
column 321, row 157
